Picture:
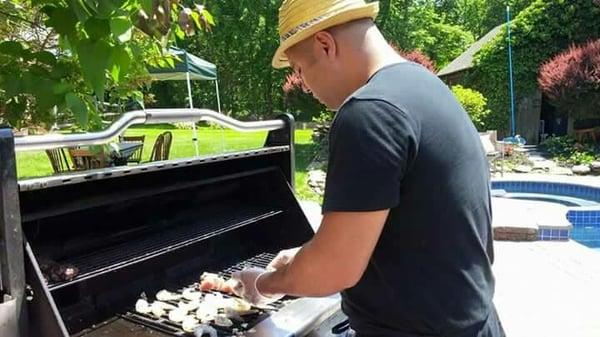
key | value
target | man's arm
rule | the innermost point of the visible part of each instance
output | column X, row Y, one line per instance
column 334, row 260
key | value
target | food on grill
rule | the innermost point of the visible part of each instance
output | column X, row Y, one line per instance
column 223, row 321
column 206, row 312
column 165, row 295
column 210, row 281
column 239, row 305
column 189, row 324
column 57, row 272
column 142, row 306
column 229, row 286
column 191, row 294
column 177, row 315
column 205, row 329
column 189, row 306
column 159, row 308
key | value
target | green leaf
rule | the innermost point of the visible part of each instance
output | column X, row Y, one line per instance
column 81, row 11
column 41, row 2
column 62, row 88
column 147, row 7
column 61, row 19
column 138, row 96
column 39, row 70
column 209, row 18
column 93, row 57
column 60, row 70
column 12, row 85
column 12, row 48
column 179, row 32
column 121, row 27
column 120, row 62
column 97, row 28
column 105, row 9
column 78, row 107
column 196, row 18
column 45, row 57
column 170, row 61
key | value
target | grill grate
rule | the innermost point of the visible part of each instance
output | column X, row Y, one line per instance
column 174, row 329
column 121, row 255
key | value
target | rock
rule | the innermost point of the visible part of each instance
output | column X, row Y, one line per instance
column 523, row 169
column 543, row 165
column 595, row 166
column 316, row 181
column 536, row 158
column 563, row 171
column 581, row 169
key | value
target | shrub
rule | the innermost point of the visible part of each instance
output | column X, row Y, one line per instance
column 567, row 151
column 474, row 103
column 571, row 80
column 416, row 56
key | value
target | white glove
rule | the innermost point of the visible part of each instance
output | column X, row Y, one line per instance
column 246, row 287
column 284, row 257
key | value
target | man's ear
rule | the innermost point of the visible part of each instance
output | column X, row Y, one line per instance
column 325, row 45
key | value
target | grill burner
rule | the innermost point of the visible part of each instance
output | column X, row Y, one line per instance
column 175, row 329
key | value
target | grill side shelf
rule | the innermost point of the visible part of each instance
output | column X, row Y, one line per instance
column 129, row 253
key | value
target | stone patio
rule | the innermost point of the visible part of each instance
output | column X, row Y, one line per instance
column 547, row 289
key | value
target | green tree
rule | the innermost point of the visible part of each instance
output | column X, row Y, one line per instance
column 418, row 25
column 98, row 46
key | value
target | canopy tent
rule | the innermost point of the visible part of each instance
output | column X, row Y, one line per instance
column 188, row 67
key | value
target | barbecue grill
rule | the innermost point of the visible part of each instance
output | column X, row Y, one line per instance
column 136, row 230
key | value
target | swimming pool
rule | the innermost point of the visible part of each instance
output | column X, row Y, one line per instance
column 583, row 204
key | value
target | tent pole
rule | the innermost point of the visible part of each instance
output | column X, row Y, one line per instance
column 219, row 107
column 189, row 86
column 218, row 95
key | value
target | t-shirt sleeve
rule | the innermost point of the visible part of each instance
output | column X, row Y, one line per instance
column 371, row 145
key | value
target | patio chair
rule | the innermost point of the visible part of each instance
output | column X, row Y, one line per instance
column 136, row 157
column 84, row 159
column 493, row 150
column 162, row 147
column 58, row 160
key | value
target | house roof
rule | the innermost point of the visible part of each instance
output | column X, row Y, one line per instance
column 465, row 60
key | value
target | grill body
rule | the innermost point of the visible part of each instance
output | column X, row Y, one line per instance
column 155, row 226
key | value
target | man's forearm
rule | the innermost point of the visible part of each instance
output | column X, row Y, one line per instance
column 307, row 275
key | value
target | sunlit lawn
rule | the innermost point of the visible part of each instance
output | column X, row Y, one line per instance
column 210, row 141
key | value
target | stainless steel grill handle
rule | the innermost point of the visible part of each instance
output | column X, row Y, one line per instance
column 149, row 116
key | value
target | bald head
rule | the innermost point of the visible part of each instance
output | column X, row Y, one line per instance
column 335, row 62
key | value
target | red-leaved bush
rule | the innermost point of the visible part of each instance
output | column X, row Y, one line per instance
column 292, row 82
column 416, row 56
column 571, row 80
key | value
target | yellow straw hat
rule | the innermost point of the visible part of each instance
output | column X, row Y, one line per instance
column 300, row 19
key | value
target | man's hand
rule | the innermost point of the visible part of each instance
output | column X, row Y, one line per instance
column 284, row 258
column 247, row 289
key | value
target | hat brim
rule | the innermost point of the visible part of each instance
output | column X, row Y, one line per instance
column 368, row 11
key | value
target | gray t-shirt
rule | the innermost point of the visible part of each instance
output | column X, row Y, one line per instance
column 402, row 142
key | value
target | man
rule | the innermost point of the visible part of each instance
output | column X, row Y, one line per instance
column 405, row 235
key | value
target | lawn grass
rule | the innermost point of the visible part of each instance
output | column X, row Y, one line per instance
column 210, row 141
